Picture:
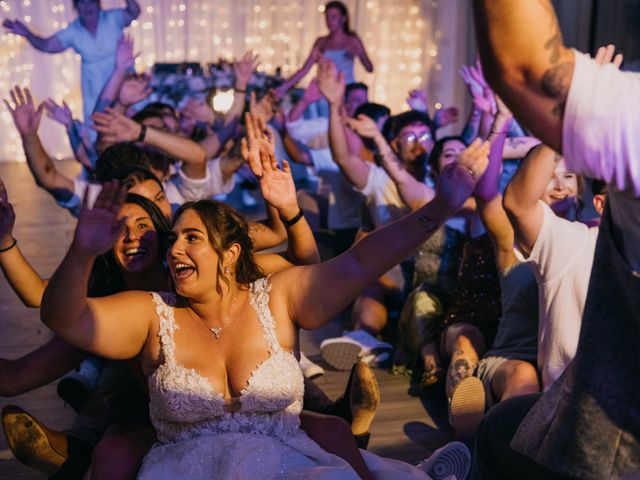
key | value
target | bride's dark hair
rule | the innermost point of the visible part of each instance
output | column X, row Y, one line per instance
column 226, row 226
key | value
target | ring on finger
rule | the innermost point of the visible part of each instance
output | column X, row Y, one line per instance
column 471, row 172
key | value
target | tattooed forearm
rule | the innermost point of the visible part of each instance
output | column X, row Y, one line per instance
column 555, row 83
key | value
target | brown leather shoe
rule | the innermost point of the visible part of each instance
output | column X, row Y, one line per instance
column 364, row 397
column 32, row 443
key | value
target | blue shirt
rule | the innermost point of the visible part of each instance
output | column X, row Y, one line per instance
column 98, row 53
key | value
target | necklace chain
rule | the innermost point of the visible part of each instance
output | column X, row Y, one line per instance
column 217, row 331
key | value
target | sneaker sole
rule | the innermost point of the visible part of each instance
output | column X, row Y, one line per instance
column 466, row 408
column 340, row 355
column 453, row 459
column 29, row 442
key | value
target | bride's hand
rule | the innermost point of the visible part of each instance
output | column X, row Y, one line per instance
column 98, row 227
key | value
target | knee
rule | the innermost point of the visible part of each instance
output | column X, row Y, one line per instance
column 521, row 376
column 114, row 447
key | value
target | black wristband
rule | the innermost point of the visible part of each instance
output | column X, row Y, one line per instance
column 291, row 222
column 143, row 133
column 2, row 250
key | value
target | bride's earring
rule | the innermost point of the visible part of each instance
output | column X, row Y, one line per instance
column 226, row 270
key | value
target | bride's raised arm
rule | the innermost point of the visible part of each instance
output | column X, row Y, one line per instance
column 316, row 293
column 114, row 326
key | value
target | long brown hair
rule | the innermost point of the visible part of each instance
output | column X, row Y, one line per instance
column 341, row 7
column 226, row 226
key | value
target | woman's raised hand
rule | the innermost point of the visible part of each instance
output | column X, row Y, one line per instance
column 24, row 112
column 363, row 126
column 98, row 227
column 255, row 141
column 7, row 216
column 60, row 113
column 457, row 180
column 243, row 69
column 115, row 127
column 16, row 27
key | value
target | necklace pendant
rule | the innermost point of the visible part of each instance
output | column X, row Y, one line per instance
column 216, row 331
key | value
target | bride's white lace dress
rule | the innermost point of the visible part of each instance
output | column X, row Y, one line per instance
column 260, row 439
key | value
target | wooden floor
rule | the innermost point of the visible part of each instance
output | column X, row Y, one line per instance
column 406, row 427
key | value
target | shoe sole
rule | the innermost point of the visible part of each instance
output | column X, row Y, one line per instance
column 466, row 408
column 364, row 398
column 453, row 459
column 29, row 442
column 340, row 355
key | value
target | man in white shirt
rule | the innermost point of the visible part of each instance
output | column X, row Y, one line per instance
column 587, row 424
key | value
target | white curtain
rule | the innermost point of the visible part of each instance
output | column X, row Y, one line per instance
column 412, row 43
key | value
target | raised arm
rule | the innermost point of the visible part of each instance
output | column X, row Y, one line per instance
column 360, row 52
column 26, row 118
column 24, row 280
column 413, row 192
column 49, row 45
column 522, row 196
column 309, row 300
column 131, row 11
column 116, row 128
column 526, row 62
column 279, row 192
column 111, row 90
column 313, row 57
column 488, row 197
column 332, row 86
column 114, row 327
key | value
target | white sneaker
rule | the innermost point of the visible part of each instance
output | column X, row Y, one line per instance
column 451, row 461
column 309, row 369
column 342, row 352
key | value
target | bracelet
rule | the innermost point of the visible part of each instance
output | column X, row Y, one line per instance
column 238, row 90
column 2, row 250
column 292, row 221
column 143, row 133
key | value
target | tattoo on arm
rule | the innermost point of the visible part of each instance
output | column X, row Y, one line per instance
column 557, row 79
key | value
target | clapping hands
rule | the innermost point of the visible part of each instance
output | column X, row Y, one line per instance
column 479, row 89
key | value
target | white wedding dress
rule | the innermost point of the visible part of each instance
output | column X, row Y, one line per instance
column 261, row 439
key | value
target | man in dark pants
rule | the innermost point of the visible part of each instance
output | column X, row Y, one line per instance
column 587, row 424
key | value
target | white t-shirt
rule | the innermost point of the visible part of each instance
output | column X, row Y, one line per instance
column 601, row 139
column 383, row 198
column 178, row 188
column 561, row 260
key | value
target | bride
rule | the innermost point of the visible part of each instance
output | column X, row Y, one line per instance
column 225, row 387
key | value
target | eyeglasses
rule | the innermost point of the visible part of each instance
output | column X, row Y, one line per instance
column 411, row 139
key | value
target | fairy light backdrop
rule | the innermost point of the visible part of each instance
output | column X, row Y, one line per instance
column 412, row 43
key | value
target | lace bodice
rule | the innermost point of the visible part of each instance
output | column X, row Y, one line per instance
column 183, row 403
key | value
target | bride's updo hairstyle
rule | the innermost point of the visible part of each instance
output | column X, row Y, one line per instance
column 226, row 226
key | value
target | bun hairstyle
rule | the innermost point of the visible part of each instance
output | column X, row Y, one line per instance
column 226, row 226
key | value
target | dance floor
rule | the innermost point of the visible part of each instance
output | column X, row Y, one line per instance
column 406, row 427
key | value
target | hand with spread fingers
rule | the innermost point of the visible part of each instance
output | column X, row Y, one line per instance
column 265, row 108
column 25, row 115
column 257, row 140
column 125, row 58
column 98, row 227
column 457, row 180
column 244, row 68
column 115, row 127
column 60, row 113
column 134, row 89
column 605, row 55
column 417, row 100
column 445, row 116
column 276, row 185
column 7, row 218
column 363, row 126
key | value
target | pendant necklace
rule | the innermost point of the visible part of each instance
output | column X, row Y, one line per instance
column 217, row 331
